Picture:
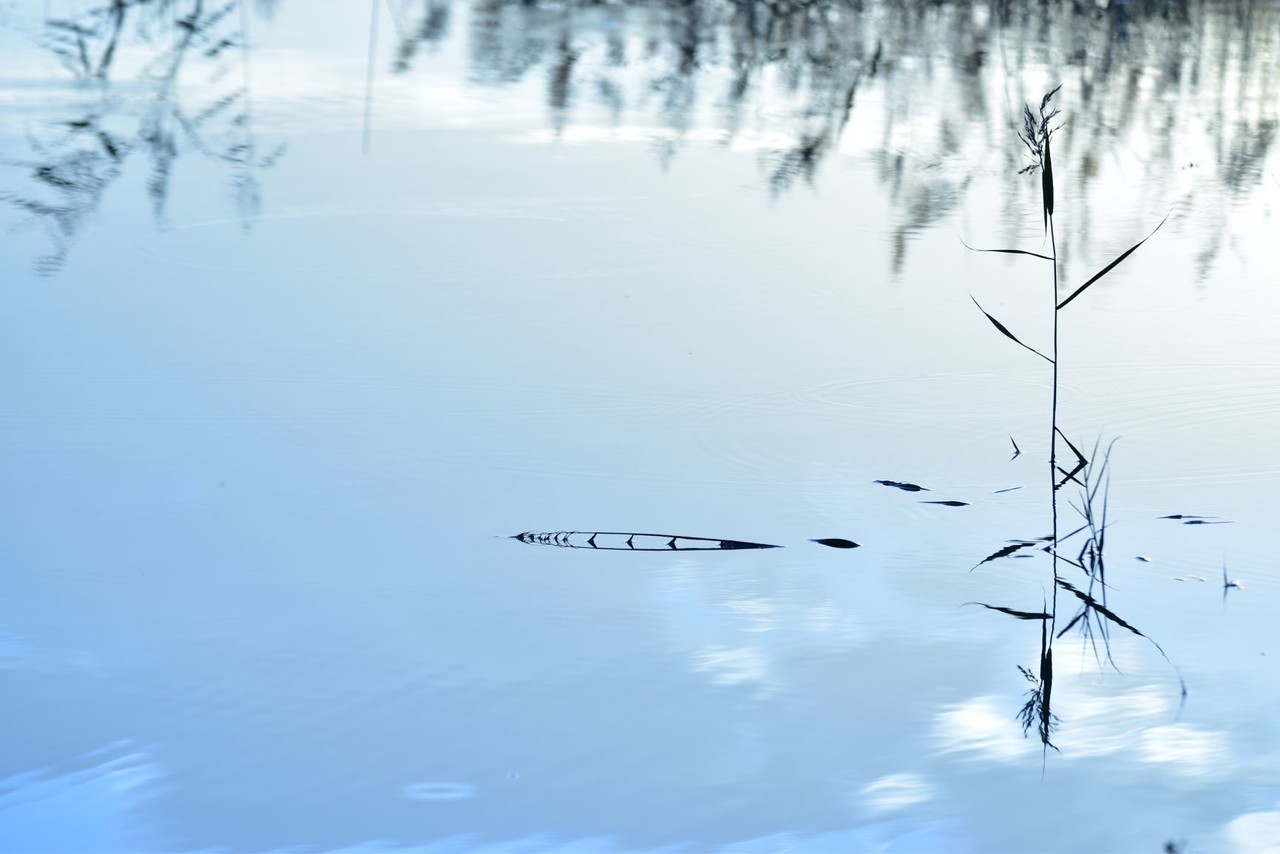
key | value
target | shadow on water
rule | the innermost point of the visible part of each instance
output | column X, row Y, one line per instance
column 76, row 157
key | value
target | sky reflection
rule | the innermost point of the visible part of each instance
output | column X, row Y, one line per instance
column 286, row 365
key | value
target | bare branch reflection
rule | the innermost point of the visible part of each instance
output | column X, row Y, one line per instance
column 76, row 158
column 922, row 88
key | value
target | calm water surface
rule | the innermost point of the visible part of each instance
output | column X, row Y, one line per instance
column 308, row 307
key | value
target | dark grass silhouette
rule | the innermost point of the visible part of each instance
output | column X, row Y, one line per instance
column 1094, row 617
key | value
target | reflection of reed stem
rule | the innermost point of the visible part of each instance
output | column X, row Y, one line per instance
column 1053, row 432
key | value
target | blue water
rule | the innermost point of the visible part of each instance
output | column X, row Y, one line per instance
column 295, row 337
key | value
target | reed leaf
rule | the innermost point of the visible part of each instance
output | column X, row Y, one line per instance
column 1046, row 176
column 1021, row 615
column 1007, row 251
column 1102, row 609
column 1004, row 552
column 1074, row 620
column 1109, row 267
column 1004, row 330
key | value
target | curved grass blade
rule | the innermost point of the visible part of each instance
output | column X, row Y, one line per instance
column 1004, row 552
column 1079, row 456
column 835, row 543
column 1005, row 331
column 1007, row 251
column 1109, row 267
column 1021, row 615
column 1099, row 608
column 1074, row 621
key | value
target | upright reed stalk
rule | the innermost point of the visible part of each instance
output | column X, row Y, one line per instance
column 1036, row 132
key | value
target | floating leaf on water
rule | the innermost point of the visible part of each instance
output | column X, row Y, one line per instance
column 897, row 484
column 1187, row 516
column 1206, row 522
column 835, row 543
column 948, row 503
column 1141, row 559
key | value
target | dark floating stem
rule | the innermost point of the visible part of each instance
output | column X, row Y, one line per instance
column 626, row 541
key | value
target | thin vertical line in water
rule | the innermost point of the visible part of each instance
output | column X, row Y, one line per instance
column 1053, row 432
column 368, row 86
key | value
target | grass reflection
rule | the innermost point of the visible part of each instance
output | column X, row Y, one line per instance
column 919, row 88
column 1094, row 618
column 76, row 158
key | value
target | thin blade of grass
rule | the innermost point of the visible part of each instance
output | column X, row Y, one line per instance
column 1069, row 626
column 1007, row 251
column 1004, row 552
column 1005, row 331
column 1021, row 615
column 1102, row 609
column 1074, row 449
column 1109, row 267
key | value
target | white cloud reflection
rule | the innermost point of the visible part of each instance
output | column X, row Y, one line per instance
column 1255, row 831
column 1135, row 723
column 732, row 666
column 896, row 791
column 105, row 791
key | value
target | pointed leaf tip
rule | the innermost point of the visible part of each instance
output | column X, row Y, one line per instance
column 1109, row 267
column 1004, row 330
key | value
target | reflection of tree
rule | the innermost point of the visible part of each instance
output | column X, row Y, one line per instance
column 919, row 86
column 81, row 156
